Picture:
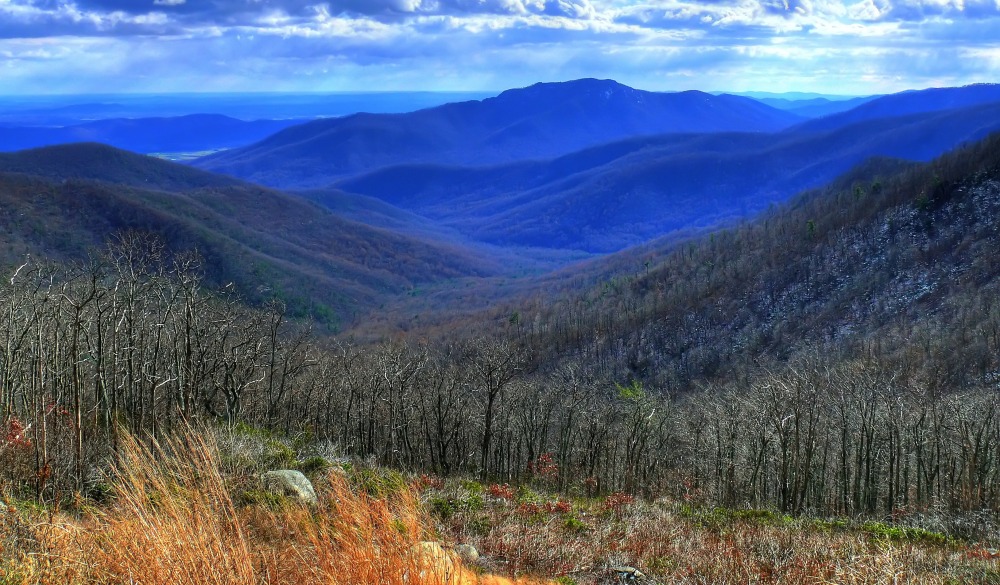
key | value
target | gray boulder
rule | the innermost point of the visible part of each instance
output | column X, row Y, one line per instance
column 626, row 574
column 467, row 553
column 291, row 484
column 436, row 564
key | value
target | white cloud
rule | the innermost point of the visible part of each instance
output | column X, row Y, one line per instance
column 869, row 10
column 471, row 44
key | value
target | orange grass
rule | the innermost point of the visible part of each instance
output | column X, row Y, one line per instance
column 175, row 520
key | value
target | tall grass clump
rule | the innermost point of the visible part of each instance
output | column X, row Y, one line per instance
column 174, row 519
column 177, row 517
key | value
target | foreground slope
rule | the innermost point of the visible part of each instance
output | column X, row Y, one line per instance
column 540, row 121
column 63, row 201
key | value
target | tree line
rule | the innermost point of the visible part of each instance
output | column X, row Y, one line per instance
column 132, row 340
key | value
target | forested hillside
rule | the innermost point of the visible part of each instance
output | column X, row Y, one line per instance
column 836, row 355
column 883, row 255
column 64, row 202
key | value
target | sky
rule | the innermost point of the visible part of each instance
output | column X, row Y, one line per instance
column 857, row 47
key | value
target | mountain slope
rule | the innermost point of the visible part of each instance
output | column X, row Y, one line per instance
column 101, row 162
column 878, row 259
column 610, row 197
column 265, row 242
column 540, row 121
column 906, row 103
column 816, row 107
column 893, row 260
column 193, row 133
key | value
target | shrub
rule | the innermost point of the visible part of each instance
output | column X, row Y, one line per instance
column 377, row 482
column 501, row 492
column 313, row 465
column 617, row 502
column 574, row 524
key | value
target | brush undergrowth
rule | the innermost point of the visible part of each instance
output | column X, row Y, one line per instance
column 580, row 540
column 174, row 519
column 181, row 511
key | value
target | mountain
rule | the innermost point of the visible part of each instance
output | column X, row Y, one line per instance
column 376, row 213
column 617, row 195
column 101, row 162
column 70, row 110
column 183, row 134
column 268, row 244
column 541, row 121
column 792, row 96
column 898, row 260
column 816, row 107
column 892, row 261
column 909, row 102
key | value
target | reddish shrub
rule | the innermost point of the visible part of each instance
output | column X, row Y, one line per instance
column 617, row 502
column 15, row 434
column 501, row 491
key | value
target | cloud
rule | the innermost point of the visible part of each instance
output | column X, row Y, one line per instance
column 471, row 44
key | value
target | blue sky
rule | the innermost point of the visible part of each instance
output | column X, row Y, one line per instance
column 853, row 47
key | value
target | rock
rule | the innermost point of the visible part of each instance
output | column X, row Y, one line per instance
column 626, row 574
column 467, row 553
column 291, row 484
column 437, row 565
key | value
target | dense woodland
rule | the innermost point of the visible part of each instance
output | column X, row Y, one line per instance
column 60, row 202
column 839, row 355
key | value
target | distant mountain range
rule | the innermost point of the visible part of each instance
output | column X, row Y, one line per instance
column 815, row 107
column 71, row 110
column 909, row 102
column 184, row 134
column 537, row 122
column 595, row 166
column 611, row 197
column 512, row 185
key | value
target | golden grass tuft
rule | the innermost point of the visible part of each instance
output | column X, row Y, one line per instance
column 175, row 520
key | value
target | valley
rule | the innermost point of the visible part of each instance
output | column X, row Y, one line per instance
column 546, row 317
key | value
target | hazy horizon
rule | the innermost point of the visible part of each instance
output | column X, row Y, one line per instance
column 98, row 96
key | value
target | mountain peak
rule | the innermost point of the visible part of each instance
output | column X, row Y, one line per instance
column 544, row 120
column 571, row 89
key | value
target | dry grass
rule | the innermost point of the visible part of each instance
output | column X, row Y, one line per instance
column 175, row 520
column 675, row 544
